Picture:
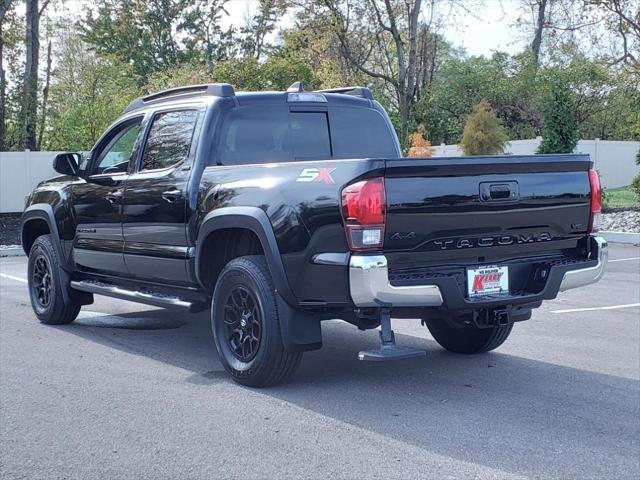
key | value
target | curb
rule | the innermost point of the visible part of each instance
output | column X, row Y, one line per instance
column 629, row 238
column 11, row 252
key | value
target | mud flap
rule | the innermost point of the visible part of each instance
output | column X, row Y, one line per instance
column 301, row 331
column 68, row 293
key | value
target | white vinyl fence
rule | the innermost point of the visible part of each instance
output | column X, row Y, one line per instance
column 21, row 171
column 615, row 160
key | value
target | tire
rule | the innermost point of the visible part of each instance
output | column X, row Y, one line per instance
column 246, row 326
column 45, row 285
column 468, row 339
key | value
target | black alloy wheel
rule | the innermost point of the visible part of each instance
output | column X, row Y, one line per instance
column 41, row 281
column 49, row 290
column 243, row 323
column 246, row 324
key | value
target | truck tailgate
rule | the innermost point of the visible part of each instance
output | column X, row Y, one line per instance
column 484, row 209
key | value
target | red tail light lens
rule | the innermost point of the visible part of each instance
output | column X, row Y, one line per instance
column 363, row 212
column 596, row 201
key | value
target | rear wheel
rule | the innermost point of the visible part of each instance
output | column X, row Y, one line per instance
column 467, row 338
column 246, row 326
column 46, row 284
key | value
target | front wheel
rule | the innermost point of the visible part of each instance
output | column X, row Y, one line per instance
column 46, row 284
column 467, row 338
column 246, row 326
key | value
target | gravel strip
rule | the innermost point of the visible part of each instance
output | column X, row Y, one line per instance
column 621, row 221
column 10, row 229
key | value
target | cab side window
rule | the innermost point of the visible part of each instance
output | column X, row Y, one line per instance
column 115, row 157
column 169, row 139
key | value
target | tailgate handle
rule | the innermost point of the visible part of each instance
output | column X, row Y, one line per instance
column 499, row 192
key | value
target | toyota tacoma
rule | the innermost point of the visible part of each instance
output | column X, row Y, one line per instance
column 278, row 210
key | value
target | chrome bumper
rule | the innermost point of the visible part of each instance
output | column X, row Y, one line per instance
column 370, row 287
column 585, row 276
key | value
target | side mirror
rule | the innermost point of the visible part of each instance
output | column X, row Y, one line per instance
column 67, row 163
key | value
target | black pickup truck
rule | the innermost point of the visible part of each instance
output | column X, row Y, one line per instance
column 278, row 210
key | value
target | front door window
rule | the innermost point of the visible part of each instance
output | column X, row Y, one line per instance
column 116, row 155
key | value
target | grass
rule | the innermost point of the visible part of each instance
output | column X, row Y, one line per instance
column 622, row 197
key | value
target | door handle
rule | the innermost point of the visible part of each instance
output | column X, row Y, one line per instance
column 172, row 195
column 499, row 191
column 114, row 197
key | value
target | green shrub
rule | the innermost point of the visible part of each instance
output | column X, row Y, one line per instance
column 483, row 133
column 560, row 126
column 605, row 199
column 635, row 186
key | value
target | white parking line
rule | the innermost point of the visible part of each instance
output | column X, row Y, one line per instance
column 11, row 277
column 610, row 307
column 625, row 259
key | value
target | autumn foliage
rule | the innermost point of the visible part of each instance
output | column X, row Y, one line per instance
column 483, row 134
column 420, row 147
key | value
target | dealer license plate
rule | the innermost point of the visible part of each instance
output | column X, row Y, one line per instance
column 489, row 279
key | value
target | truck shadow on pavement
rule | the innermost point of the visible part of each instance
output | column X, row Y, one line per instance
column 510, row 413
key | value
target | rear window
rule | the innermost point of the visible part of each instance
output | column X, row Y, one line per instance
column 360, row 133
column 276, row 134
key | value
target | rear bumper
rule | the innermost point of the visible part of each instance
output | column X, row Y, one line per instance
column 370, row 285
column 586, row 276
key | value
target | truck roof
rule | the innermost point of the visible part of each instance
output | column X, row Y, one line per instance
column 355, row 96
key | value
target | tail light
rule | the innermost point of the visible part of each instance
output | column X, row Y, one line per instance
column 596, row 200
column 363, row 211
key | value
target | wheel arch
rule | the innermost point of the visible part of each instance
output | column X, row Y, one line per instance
column 38, row 219
column 250, row 219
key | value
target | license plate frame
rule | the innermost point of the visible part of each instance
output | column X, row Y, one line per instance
column 488, row 280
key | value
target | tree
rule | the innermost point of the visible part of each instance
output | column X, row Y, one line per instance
column 140, row 33
column 45, row 97
column 483, row 133
column 382, row 42
column 509, row 84
column 5, row 5
column 184, row 74
column 262, row 24
column 540, row 7
column 12, row 40
column 548, row 20
column 313, row 43
column 29, row 112
column 205, row 40
column 607, row 97
column 610, row 28
column 623, row 18
column 86, row 95
column 277, row 73
column 560, row 127
column 420, row 147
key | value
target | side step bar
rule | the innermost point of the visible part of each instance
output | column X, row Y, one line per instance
column 145, row 296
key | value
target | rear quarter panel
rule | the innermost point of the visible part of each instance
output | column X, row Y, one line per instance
column 302, row 201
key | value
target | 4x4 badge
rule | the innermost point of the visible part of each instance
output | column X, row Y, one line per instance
column 316, row 175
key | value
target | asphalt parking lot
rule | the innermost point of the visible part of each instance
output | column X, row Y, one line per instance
column 129, row 391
